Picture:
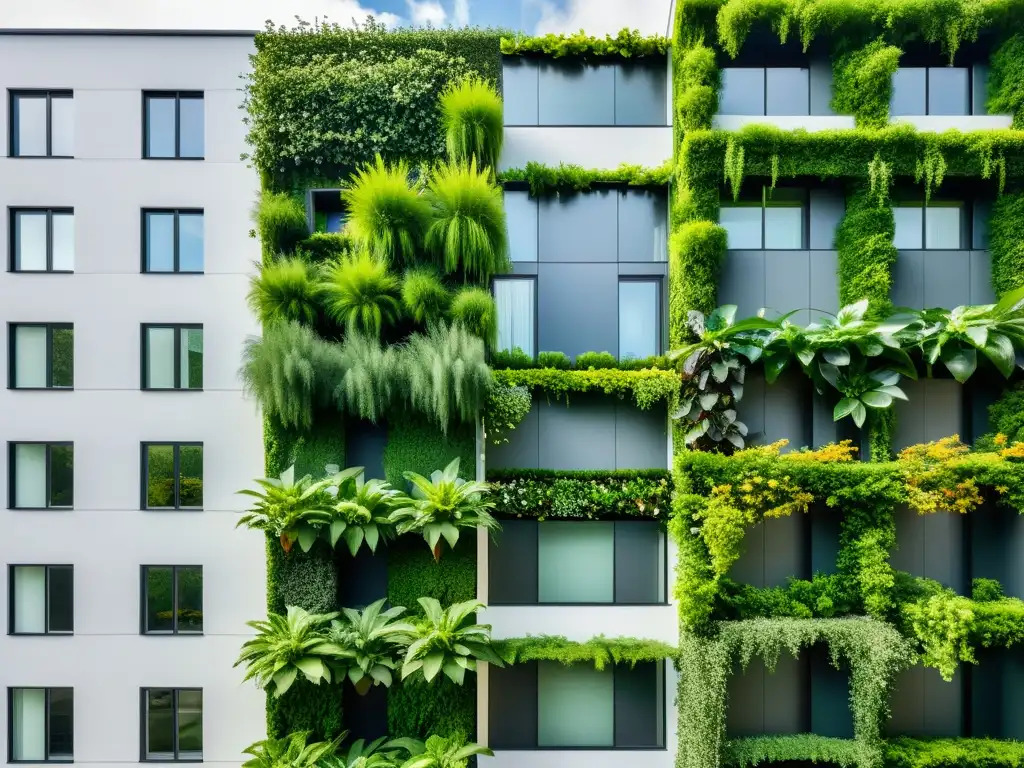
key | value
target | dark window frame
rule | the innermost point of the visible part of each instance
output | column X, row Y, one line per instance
column 12, row 330
column 11, row 569
column 178, row 96
column 176, row 246
column 144, row 605
column 767, row 201
column 46, row 715
column 966, row 208
column 144, row 474
column 143, row 725
column 12, row 473
column 533, row 279
column 34, row 93
column 12, row 213
column 764, row 95
column 177, row 328
column 659, row 284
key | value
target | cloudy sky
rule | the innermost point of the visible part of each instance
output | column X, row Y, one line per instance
column 596, row 16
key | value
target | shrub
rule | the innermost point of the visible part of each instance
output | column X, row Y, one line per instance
column 696, row 251
column 386, row 214
column 474, row 309
column 424, row 297
column 863, row 83
column 1006, row 80
column 514, row 359
column 1007, row 242
column 467, row 234
column 360, row 293
column 474, row 122
column 281, row 222
column 284, row 291
column 324, row 246
column 557, row 360
column 697, row 88
column 596, row 360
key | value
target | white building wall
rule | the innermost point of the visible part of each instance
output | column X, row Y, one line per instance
column 106, row 537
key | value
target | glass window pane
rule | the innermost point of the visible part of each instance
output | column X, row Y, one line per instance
column 159, row 476
column 30, row 476
column 788, row 91
column 638, row 319
column 61, row 598
column 192, row 128
column 62, row 712
column 514, row 302
column 576, row 562
column 742, row 225
column 575, row 706
column 64, row 242
column 159, row 242
column 908, row 92
column 190, row 459
column 160, row 358
column 784, row 227
column 942, row 227
column 62, row 475
column 63, row 357
column 159, row 599
column 30, row 598
column 30, row 356
column 948, row 91
column 160, row 724
column 28, row 724
column 190, row 725
column 190, row 600
column 29, row 120
column 62, row 126
column 521, row 214
column 160, row 126
column 909, row 222
column 190, row 242
column 742, row 91
column 191, row 358
column 30, row 241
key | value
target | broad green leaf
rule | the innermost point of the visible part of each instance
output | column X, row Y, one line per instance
column 719, row 371
column 432, row 665
column 885, row 378
column 354, row 538
column 1001, row 352
column 961, row 361
column 337, row 528
column 283, row 680
column 844, row 408
column 308, row 536
column 830, row 373
column 837, row 357
column 708, row 400
column 859, row 414
column 372, row 536
column 978, row 334
column 876, row 399
column 893, row 392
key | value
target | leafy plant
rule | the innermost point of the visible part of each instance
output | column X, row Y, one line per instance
column 596, row 360
column 292, row 751
column 424, row 297
column 281, row 222
column 474, row 122
column 442, row 504
column 474, row 308
column 379, row 753
column 372, row 638
column 361, row 510
column 862, row 83
column 283, row 291
column 362, row 294
column 289, row 509
column 567, row 178
column 506, row 408
column 581, row 495
column 325, row 246
column 644, row 387
column 558, row 360
column 446, row 641
column 439, row 752
column 627, row 44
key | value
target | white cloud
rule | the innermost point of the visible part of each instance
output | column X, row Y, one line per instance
column 461, row 13
column 422, row 12
column 600, row 17
column 180, row 14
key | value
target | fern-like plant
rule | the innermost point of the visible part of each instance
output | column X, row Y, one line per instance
column 291, row 751
column 374, row 638
column 424, row 297
column 280, row 221
column 361, row 294
column 467, row 234
column 474, row 122
column 385, row 213
column 285, row 291
column 474, row 308
column 377, row 754
column 447, row 641
column 289, row 509
column 361, row 509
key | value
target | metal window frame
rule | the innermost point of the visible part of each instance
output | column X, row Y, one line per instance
column 970, row 89
column 144, row 725
column 659, row 308
column 46, row 725
column 177, row 328
column 533, row 279
column 178, row 96
column 11, row 574
column 144, row 474
column 12, row 473
column 144, row 600
column 966, row 209
column 13, row 240
column 176, row 213
column 34, row 93
column 766, row 202
column 12, row 351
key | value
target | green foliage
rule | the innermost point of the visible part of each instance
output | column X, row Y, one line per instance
column 558, row 360
column 474, row 122
column 867, row 256
column 447, row 640
column 360, row 511
column 361, row 294
column 627, row 44
column 325, row 246
column 585, row 495
column 280, row 222
column 284, row 291
column 506, row 408
column 413, row 572
column 289, row 752
column 1006, row 80
column 600, row 651
column 306, row 707
column 420, row 447
column 424, row 297
column 467, row 234
column 862, row 83
column 373, row 638
column 596, row 361
column 1007, row 243
column 443, row 707
column 305, row 579
column 647, row 387
column 516, row 359
column 475, row 310
column 801, row 747
column 986, row 590
column 695, row 253
column 442, row 752
column 545, row 180
column 1006, row 415
column 288, row 508
column 696, row 81
column 954, row 753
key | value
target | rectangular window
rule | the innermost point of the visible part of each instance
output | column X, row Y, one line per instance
column 939, row 226
column 774, row 224
column 172, row 599
column 42, row 240
column 172, row 240
column 515, row 301
column 173, row 125
column 765, row 91
column 40, row 725
column 172, row 475
column 42, row 124
column 172, row 725
column 639, row 318
column 575, row 706
column 42, row 356
column 41, row 475
column 172, row 356
column 41, row 599
column 932, row 91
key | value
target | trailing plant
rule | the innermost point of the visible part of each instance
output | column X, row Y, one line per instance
column 292, row 751
column 361, row 294
column 953, row 753
column 284, row 291
column 447, row 641
column 1006, row 419
column 280, row 222
column 289, row 509
column 545, row 180
column 1006, row 80
column 862, row 83
column 1006, row 242
column 627, row 44
column 600, row 651
column 372, row 639
column 424, row 297
column 506, row 408
column 646, row 387
column 474, row 122
column 474, row 309
column 585, row 495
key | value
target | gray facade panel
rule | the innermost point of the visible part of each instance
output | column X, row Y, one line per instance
column 519, row 91
column 979, row 89
column 933, row 410
column 641, row 94
column 825, row 527
column 521, row 214
column 787, row 91
column 827, row 207
column 639, row 268
column 742, row 281
column 787, row 412
column 512, row 706
column 522, row 451
column 364, row 447
column 821, row 89
column 512, row 565
column 641, row 437
column 824, row 427
column 925, row 706
column 830, row 696
column 981, row 216
column 774, row 550
column 947, row 278
column 751, row 408
column 997, row 538
column 787, row 283
column 948, row 91
column 524, row 268
column 908, row 92
column 742, row 91
column 579, row 227
column 763, row 703
column 908, row 280
column 576, row 94
column 580, row 436
column 576, row 308
column 981, row 278
column 931, row 546
column 643, row 226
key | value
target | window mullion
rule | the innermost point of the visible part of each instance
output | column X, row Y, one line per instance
column 49, row 240
column 177, row 125
column 176, row 367
column 177, row 475
column 174, row 720
column 174, row 595
column 49, row 125
column 46, row 724
column 48, row 351
column 46, row 599
column 176, row 246
column 49, row 469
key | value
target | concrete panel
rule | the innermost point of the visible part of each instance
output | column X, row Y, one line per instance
column 519, row 91
column 580, row 436
column 640, row 93
column 981, row 278
column 579, row 227
column 787, row 283
column 824, row 428
column 821, row 88
column 933, row 410
column 742, row 281
column 947, row 278
column 641, row 437
column 787, row 410
column 575, row 94
column 774, row 551
column 604, row 147
column 931, row 546
column 768, row 703
column 643, row 226
column 925, row 706
column 751, row 407
column 573, row 308
column 810, row 123
column 908, row 280
column 749, row 567
column 827, row 207
column 521, row 214
column 522, row 451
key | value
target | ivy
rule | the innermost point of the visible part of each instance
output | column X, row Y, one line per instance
column 797, row 747
column 586, row 495
column 1006, row 80
column 627, row 44
column 1007, row 243
column 600, row 651
column 545, row 180
column 696, row 80
column 866, row 254
column 695, row 254
column 506, row 408
column 646, row 387
column 862, row 83
column 954, row 753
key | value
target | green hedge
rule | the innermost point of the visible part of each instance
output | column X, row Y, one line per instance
column 626, row 45
column 646, row 387
column 954, row 753
column 600, row 651
column 418, row 447
column 1007, row 243
column 866, row 254
column 544, row 180
column 644, row 494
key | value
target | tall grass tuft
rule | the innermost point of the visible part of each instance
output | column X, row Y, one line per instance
column 467, row 234
column 474, row 309
column 474, row 122
column 281, row 222
column 284, row 291
column 424, row 297
column 385, row 214
column 361, row 294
